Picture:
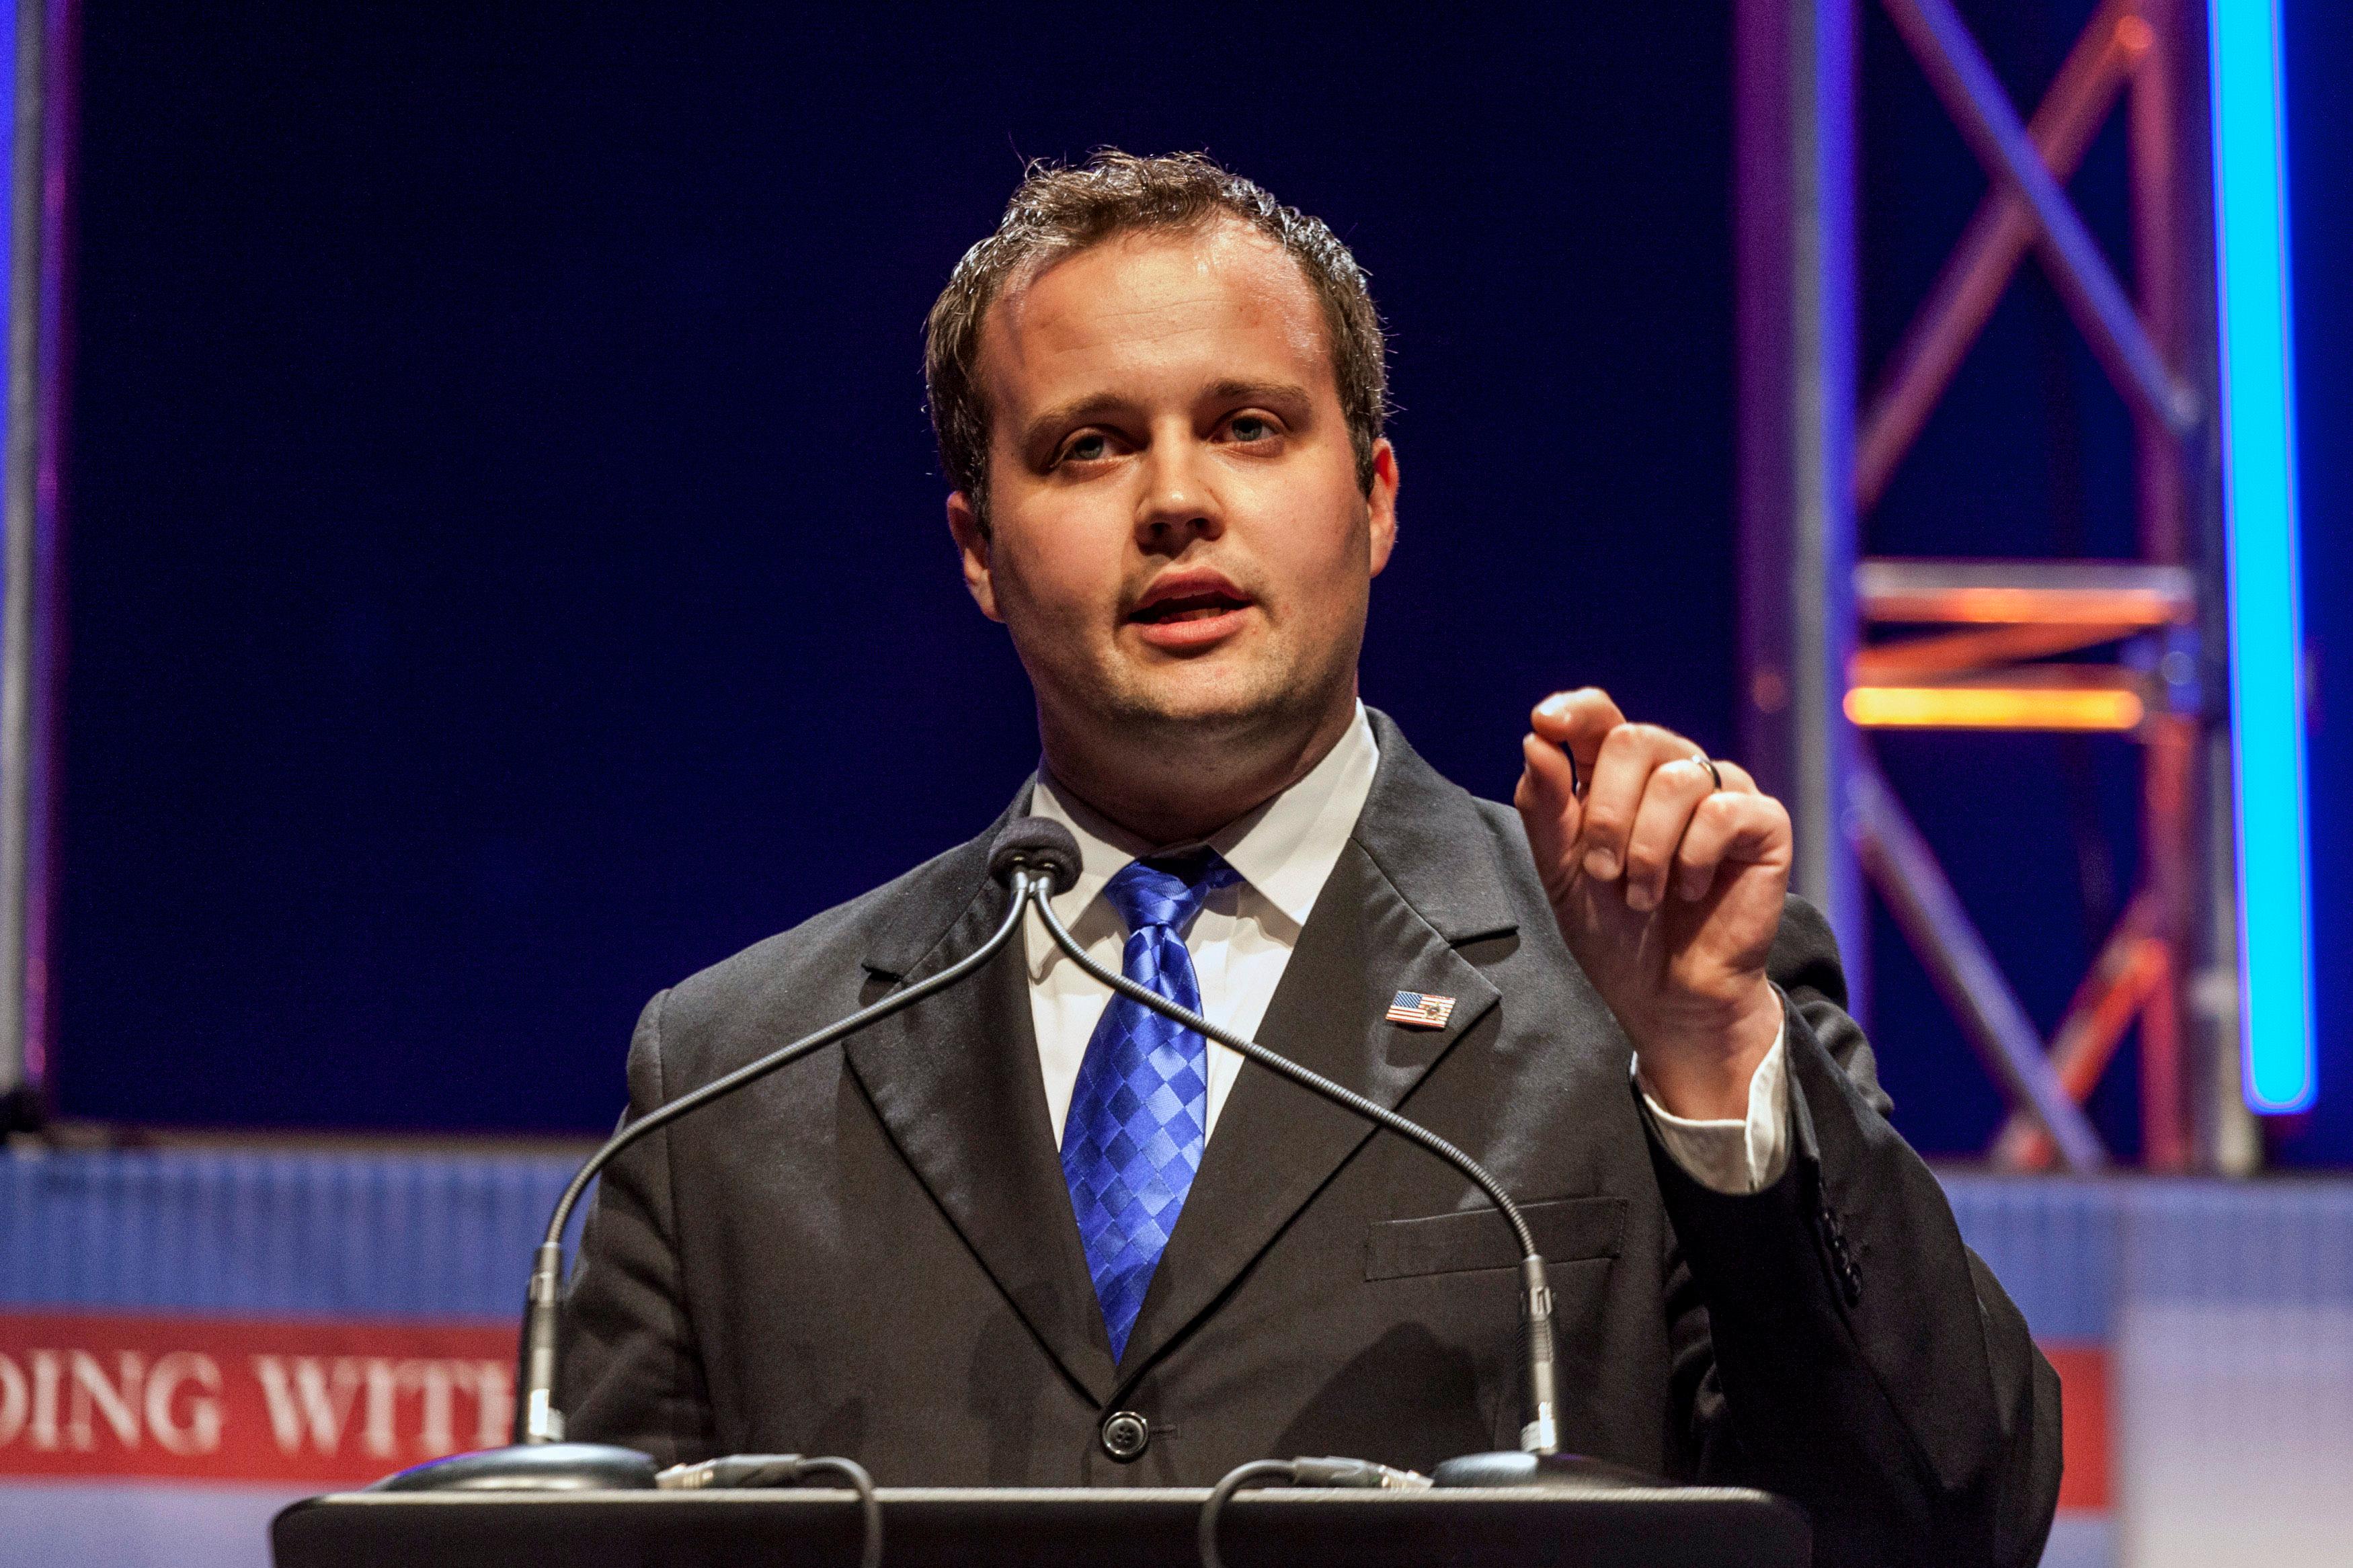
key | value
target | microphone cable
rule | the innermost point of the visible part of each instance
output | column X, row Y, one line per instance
column 1353, row 1474
column 743, row 1471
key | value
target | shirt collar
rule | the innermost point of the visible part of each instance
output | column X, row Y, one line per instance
column 1285, row 849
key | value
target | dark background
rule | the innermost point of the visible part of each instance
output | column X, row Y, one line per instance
column 507, row 566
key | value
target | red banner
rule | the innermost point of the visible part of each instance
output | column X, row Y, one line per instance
column 2082, row 1371
column 333, row 1402
column 336, row 1402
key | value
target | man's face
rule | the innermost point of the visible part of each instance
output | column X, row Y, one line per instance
column 1176, row 539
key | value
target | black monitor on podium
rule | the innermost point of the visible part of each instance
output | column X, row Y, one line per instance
column 1603, row 1527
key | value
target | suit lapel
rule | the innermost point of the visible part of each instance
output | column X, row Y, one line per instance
column 955, row 1081
column 1416, row 878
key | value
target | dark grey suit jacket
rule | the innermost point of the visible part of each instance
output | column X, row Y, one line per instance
column 873, row 1253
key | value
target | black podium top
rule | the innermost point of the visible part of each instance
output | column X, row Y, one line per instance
column 1630, row 1527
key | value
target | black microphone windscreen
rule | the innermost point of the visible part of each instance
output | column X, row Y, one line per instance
column 1039, row 845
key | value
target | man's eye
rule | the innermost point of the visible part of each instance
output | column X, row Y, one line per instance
column 1087, row 447
column 1251, row 427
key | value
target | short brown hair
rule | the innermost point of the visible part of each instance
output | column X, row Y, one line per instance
column 1057, row 211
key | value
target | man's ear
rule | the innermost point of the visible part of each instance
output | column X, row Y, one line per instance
column 973, row 543
column 1380, row 504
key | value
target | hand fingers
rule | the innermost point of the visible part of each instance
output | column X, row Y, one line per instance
column 1653, row 811
column 1673, row 791
column 1578, row 719
column 1729, row 826
column 1614, row 787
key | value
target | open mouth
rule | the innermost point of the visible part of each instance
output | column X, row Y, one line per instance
column 1183, row 595
column 1191, row 610
column 1206, row 604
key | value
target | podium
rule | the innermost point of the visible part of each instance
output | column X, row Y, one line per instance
column 1605, row 1527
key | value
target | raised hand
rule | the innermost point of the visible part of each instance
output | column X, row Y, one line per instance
column 1668, row 889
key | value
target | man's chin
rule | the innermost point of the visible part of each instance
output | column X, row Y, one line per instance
column 1215, row 707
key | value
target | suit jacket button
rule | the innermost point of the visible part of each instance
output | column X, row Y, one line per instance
column 1125, row 1436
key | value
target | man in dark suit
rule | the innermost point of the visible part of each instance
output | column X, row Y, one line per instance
column 1021, row 1235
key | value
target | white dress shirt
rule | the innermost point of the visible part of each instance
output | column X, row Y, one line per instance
column 1239, row 943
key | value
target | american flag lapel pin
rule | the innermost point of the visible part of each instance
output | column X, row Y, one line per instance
column 1419, row 1010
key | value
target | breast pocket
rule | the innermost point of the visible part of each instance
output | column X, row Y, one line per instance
column 1567, row 1229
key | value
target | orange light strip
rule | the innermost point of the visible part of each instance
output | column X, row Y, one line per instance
column 1992, row 708
column 2026, row 605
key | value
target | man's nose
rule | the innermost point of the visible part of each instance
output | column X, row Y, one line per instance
column 1180, row 503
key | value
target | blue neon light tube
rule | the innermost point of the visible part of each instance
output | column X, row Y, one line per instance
column 2258, row 394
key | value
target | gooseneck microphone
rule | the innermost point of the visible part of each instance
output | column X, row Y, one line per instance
column 1017, row 858
column 1032, row 856
column 1540, row 1437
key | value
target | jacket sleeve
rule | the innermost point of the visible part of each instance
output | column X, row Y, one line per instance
column 631, row 1373
column 1835, row 1340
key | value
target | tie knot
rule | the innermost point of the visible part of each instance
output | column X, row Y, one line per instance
column 1167, row 893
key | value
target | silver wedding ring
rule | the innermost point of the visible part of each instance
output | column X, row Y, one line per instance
column 1576, row 780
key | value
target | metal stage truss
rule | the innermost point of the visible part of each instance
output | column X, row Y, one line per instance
column 39, row 39
column 1997, row 644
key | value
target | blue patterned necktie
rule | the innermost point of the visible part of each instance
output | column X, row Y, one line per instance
column 1140, row 1112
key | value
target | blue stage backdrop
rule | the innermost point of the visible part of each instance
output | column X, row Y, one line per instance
column 507, row 562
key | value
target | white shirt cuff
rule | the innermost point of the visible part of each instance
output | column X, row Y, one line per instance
column 1733, row 1157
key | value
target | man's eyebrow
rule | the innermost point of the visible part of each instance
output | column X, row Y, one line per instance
column 1260, row 392
column 1078, row 411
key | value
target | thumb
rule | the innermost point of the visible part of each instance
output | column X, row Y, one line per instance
column 1547, row 799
